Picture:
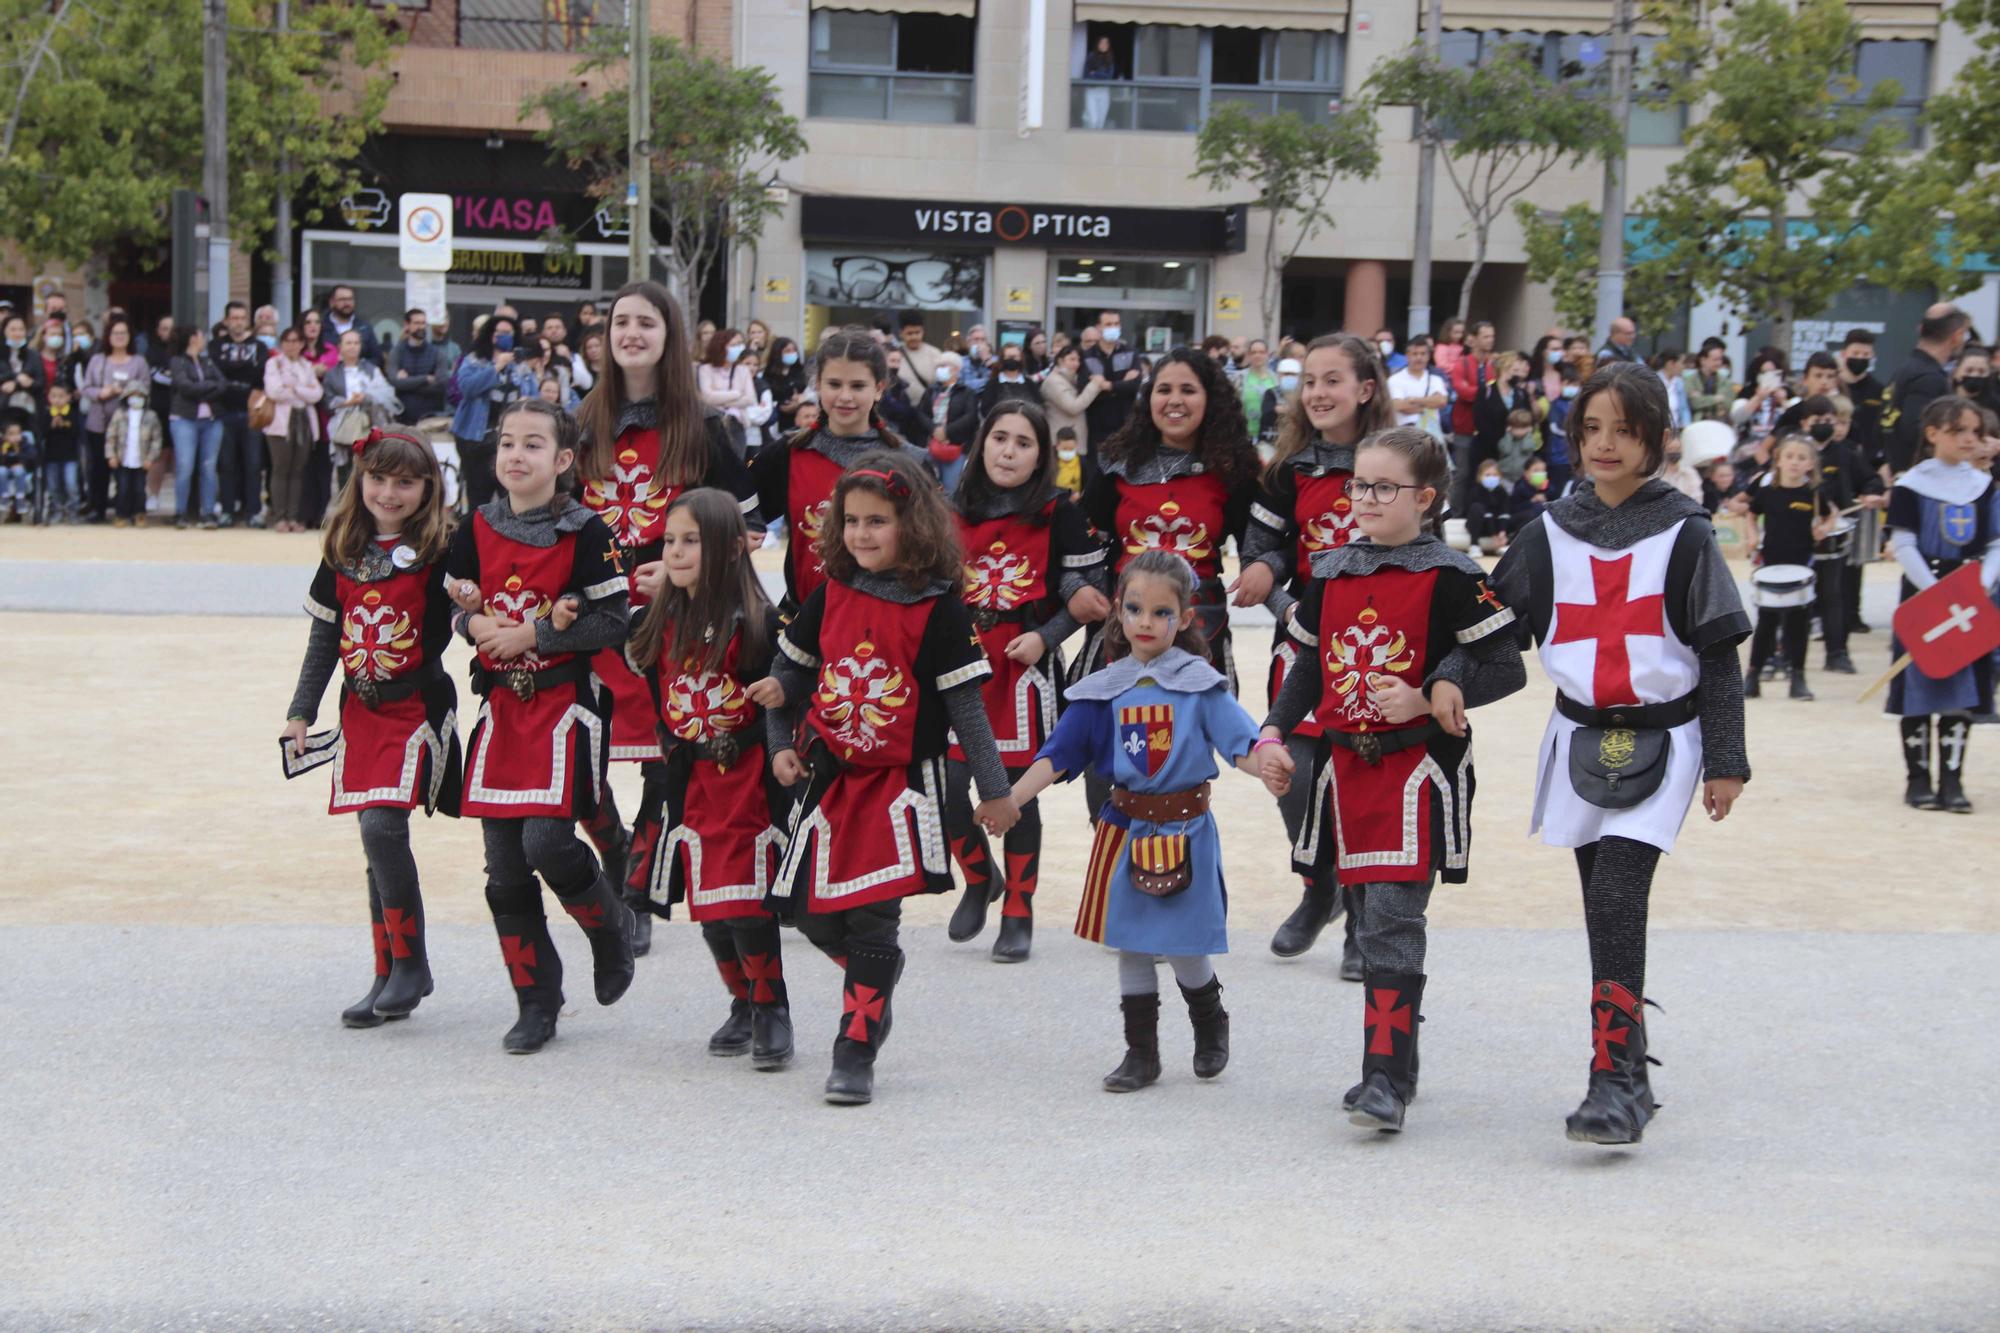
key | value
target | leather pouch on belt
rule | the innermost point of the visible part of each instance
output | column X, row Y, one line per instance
column 1616, row 768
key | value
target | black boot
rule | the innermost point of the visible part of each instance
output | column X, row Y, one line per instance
column 1301, row 929
column 1017, row 914
column 1917, row 763
column 770, row 1003
column 605, row 921
column 535, row 968
column 409, row 963
column 1953, row 734
column 1840, row 664
column 1351, row 966
column 975, row 861
column 1388, row 1061
column 1799, row 690
column 1141, row 1065
column 637, row 884
column 1620, row 1100
column 1752, row 681
column 734, row 1036
column 1211, row 1027
column 864, row 1023
column 361, row 1014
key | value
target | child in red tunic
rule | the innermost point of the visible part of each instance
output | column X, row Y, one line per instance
column 701, row 645
column 1302, row 509
column 884, row 657
column 380, row 613
column 646, row 438
column 535, row 763
column 795, row 477
column 1028, row 551
column 1405, row 637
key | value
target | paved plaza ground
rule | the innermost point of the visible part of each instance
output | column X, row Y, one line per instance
column 193, row 1140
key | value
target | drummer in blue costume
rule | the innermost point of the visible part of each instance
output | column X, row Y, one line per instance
column 1153, row 721
column 1943, row 513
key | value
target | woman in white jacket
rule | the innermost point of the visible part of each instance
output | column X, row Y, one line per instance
column 1068, row 392
column 360, row 398
column 292, row 385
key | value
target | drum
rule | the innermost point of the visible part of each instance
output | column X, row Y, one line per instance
column 1834, row 546
column 1782, row 585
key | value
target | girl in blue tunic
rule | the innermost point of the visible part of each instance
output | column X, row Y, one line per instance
column 1153, row 722
column 1943, row 513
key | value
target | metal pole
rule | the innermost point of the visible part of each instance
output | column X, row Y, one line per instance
column 281, row 262
column 639, row 194
column 1611, row 241
column 1420, row 254
column 215, row 150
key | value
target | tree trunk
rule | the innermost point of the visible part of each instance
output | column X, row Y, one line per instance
column 1472, row 275
column 1782, row 304
column 1267, row 296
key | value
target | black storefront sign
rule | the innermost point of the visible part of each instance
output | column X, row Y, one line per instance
column 825, row 217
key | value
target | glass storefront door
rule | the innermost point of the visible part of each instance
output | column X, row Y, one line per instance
column 1159, row 301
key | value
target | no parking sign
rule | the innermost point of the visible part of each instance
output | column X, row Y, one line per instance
column 425, row 234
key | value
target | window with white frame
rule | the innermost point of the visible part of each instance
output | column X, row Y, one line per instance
column 872, row 66
column 1156, row 76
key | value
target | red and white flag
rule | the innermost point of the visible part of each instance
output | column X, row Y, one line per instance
column 1949, row 625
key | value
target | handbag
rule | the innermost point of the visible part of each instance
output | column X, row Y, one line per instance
column 349, row 428
column 1616, row 768
column 262, row 410
column 1159, row 864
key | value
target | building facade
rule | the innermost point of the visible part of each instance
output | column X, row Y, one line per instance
column 1026, row 163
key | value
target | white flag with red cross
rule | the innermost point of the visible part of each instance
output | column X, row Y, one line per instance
column 1949, row 625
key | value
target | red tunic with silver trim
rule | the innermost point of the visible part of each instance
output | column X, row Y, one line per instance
column 402, row 754
column 1407, row 816
column 808, row 500
column 1188, row 516
column 724, row 845
column 543, row 755
column 876, row 709
column 1012, row 571
column 1324, row 517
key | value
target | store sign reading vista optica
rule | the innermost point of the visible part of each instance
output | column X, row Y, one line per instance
column 1071, row 227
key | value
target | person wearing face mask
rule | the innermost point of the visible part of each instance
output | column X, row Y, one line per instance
column 1675, row 471
column 1068, row 391
column 1267, row 411
column 950, row 413
column 784, row 372
column 726, row 384
column 1941, row 336
column 240, row 358
column 1973, row 377
column 24, row 383
column 977, row 366
column 1010, row 384
column 1859, row 385
column 1385, row 343
column 1258, row 380
column 489, row 377
column 1119, row 365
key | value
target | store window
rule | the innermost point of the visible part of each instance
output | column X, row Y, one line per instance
column 1167, row 77
column 1158, row 300
column 535, row 25
column 1908, row 64
column 857, row 285
column 908, row 67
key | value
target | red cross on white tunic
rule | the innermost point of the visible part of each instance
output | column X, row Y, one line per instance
column 1610, row 620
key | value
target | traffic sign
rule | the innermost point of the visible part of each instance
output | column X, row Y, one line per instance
column 425, row 232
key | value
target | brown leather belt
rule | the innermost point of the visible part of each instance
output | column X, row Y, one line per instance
column 1161, row 807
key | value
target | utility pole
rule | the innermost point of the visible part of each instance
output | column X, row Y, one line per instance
column 1420, row 255
column 215, row 150
column 281, row 264
column 1611, row 241
column 639, row 193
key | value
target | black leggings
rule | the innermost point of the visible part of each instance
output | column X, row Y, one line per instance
column 834, row 933
column 1796, row 622
column 518, row 849
column 1617, row 876
column 475, row 470
column 1024, row 839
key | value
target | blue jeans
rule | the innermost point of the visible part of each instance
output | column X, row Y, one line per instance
column 195, row 440
column 13, row 481
column 948, row 473
column 59, row 483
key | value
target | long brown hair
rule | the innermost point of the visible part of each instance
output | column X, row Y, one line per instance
column 727, row 586
column 1295, row 429
column 1174, row 569
column 683, row 434
column 349, row 525
column 975, row 488
column 927, row 539
column 1223, row 446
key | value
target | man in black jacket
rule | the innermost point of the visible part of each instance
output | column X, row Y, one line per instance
column 241, row 359
column 1860, row 387
column 340, row 317
column 1119, row 364
column 416, row 369
column 1945, row 329
column 1009, row 384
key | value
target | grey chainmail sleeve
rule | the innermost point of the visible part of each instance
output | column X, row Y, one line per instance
column 781, row 724
column 1296, row 699
column 602, row 623
column 322, row 656
column 975, row 737
column 1723, row 752
column 1484, row 671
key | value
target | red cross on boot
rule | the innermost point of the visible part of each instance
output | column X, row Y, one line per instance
column 1017, row 916
column 1392, row 1008
column 872, row 970
column 975, row 862
column 1619, row 1101
column 535, row 969
column 761, row 971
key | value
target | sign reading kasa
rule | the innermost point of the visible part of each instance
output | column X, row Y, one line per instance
column 1012, row 223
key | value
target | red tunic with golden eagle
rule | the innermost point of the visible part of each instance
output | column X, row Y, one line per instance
column 1013, row 569
column 875, row 735
column 394, row 619
column 543, row 754
column 1170, row 502
column 1301, row 509
column 632, row 499
column 725, row 811
column 1403, row 815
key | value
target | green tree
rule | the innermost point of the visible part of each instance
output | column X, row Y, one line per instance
column 1778, row 139
column 1291, row 166
column 104, row 115
column 717, row 134
column 1930, row 217
column 1562, row 252
column 1499, row 127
